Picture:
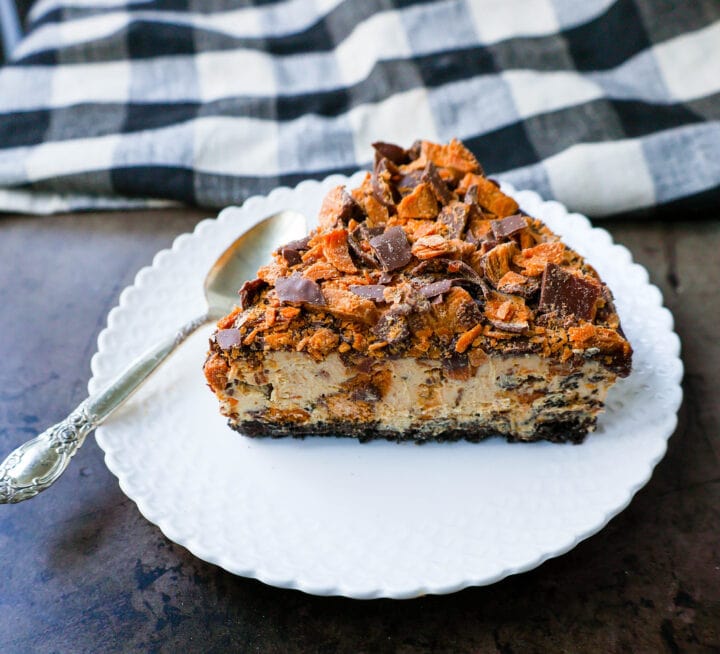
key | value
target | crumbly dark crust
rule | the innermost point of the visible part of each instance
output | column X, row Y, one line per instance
column 568, row 430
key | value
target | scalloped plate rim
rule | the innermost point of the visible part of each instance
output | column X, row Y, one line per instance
column 663, row 431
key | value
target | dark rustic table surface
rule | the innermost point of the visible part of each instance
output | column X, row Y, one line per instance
column 83, row 571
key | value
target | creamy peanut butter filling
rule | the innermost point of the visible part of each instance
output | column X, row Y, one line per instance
column 507, row 395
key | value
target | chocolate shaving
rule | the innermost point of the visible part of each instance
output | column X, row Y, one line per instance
column 372, row 292
column 456, row 266
column 228, row 338
column 513, row 327
column 355, row 239
column 471, row 195
column 393, row 152
column 508, row 226
column 439, row 188
column 525, row 289
column 392, row 248
column 249, row 290
column 297, row 288
column 436, row 288
column 382, row 189
column 568, row 294
column 414, row 150
column 350, row 209
column 443, row 265
column 472, row 239
column 385, row 278
column 455, row 216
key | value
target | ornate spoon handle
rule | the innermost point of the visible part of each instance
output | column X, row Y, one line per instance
column 37, row 464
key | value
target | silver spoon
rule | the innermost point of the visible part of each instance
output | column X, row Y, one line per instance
column 37, row 464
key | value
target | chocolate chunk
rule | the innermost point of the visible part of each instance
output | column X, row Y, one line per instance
column 392, row 248
column 392, row 326
column 455, row 361
column 228, row 338
column 291, row 251
column 436, row 288
column 364, row 233
column 455, row 216
column 350, row 209
column 409, row 181
column 381, row 183
column 339, row 207
column 508, row 226
column 414, row 150
column 451, row 266
column 488, row 245
column 471, row 195
column 355, row 239
column 429, row 265
column 372, row 292
column 568, row 293
column 297, row 288
column 249, row 290
column 393, row 152
column 439, row 187
column 291, row 256
column 300, row 245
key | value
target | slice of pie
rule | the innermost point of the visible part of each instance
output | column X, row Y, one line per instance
column 425, row 306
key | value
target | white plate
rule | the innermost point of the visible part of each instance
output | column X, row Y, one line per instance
column 336, row 517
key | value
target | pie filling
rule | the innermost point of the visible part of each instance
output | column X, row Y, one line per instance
column 522, row 397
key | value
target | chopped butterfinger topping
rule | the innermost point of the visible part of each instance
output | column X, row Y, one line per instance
column 427, row 258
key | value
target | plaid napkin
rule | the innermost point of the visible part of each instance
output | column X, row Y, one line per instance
column 608, row 106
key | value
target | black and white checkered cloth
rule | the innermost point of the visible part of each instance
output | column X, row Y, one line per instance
column 607, row 105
